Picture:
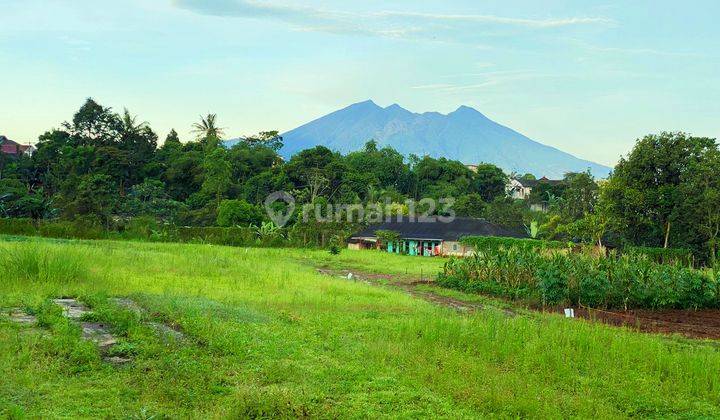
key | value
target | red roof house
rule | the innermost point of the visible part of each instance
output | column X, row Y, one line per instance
column 13, row 148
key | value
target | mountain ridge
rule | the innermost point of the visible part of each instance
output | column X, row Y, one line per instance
column 464, row 134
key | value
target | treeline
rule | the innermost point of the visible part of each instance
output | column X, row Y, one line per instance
column 148, row 229
column 106, row 168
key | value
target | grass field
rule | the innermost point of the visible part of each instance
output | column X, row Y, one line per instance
column 268, row 336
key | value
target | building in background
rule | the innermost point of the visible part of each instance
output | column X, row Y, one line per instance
column 14, row 148
column 428, row 238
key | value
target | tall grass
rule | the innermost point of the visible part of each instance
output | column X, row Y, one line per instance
column 267, row 336
column 31, row 261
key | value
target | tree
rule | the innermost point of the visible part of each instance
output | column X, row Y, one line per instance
column 701, row 190
column 238, row 213
column 94, row 124
column 208, row 131
column 317, row 171
column 509, row 213
column 470, row 205
column 96, row 195
column 216, row 172
column 438, row 178
column 269, row 139
column 579, row 196
column 383, row 167
column 645, row 197
column 172, row 138
column 489, row 181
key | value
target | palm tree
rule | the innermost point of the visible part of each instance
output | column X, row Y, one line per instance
column 207, row 128
column 130, row 124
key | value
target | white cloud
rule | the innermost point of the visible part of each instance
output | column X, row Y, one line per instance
column 390, row 24
column 533, row 23
column 632, row 51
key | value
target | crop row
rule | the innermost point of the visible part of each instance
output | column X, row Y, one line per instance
column 553, row 277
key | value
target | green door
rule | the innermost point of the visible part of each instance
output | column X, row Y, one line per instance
column 413, row 248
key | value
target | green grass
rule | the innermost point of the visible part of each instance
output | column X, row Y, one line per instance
column 267, row 336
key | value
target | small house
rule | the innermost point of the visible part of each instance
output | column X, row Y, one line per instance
column 424, row 238
column 13, row 148
column 520, row 189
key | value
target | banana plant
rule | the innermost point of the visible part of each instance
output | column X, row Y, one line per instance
column 533, row 230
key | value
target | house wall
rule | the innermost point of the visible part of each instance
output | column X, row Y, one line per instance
column 456, row 249
column 517, row 190
column 411, row 247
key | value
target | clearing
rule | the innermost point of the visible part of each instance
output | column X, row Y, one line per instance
column 208, row 331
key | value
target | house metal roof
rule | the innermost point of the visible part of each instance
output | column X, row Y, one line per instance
column 532, row 183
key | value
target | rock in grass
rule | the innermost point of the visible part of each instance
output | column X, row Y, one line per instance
column 72, row 308
column 19, row 316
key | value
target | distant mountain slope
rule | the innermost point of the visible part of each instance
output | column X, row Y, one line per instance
column 465, row 135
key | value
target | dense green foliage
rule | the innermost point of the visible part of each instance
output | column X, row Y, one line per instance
column 107, row 166
column 553, row 277
column 147, row 229
column 666, row 194
column 496, row 243
column 662, row 255
column 269, row 337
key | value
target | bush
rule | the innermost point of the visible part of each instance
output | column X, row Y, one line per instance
column 494, row 243
column 238, row 213
column 143, row 228
column 233, row 236
column 662, row 255
column 24, row 227
column 75, row 229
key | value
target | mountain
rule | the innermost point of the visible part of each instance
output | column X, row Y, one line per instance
column 465, row 135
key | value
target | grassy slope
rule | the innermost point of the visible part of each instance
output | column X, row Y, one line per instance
column 269, row 336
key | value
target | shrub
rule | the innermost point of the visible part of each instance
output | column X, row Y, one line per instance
column 18, row 227
column 141, row 228
column 557, row 277
column 553, row 282
column 662, row 255
column 493, row 243
column 238, row 213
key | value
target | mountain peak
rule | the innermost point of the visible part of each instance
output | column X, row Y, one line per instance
column 466, row 110
column 464, row 134
column 368, row 103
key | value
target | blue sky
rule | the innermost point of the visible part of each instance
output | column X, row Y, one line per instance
column 586, row 77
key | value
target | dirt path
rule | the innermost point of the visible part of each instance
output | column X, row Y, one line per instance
column 409, row 286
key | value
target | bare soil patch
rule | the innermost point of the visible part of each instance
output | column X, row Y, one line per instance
column 703, row 323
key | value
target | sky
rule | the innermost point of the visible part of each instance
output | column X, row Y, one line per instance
column 586, row 77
